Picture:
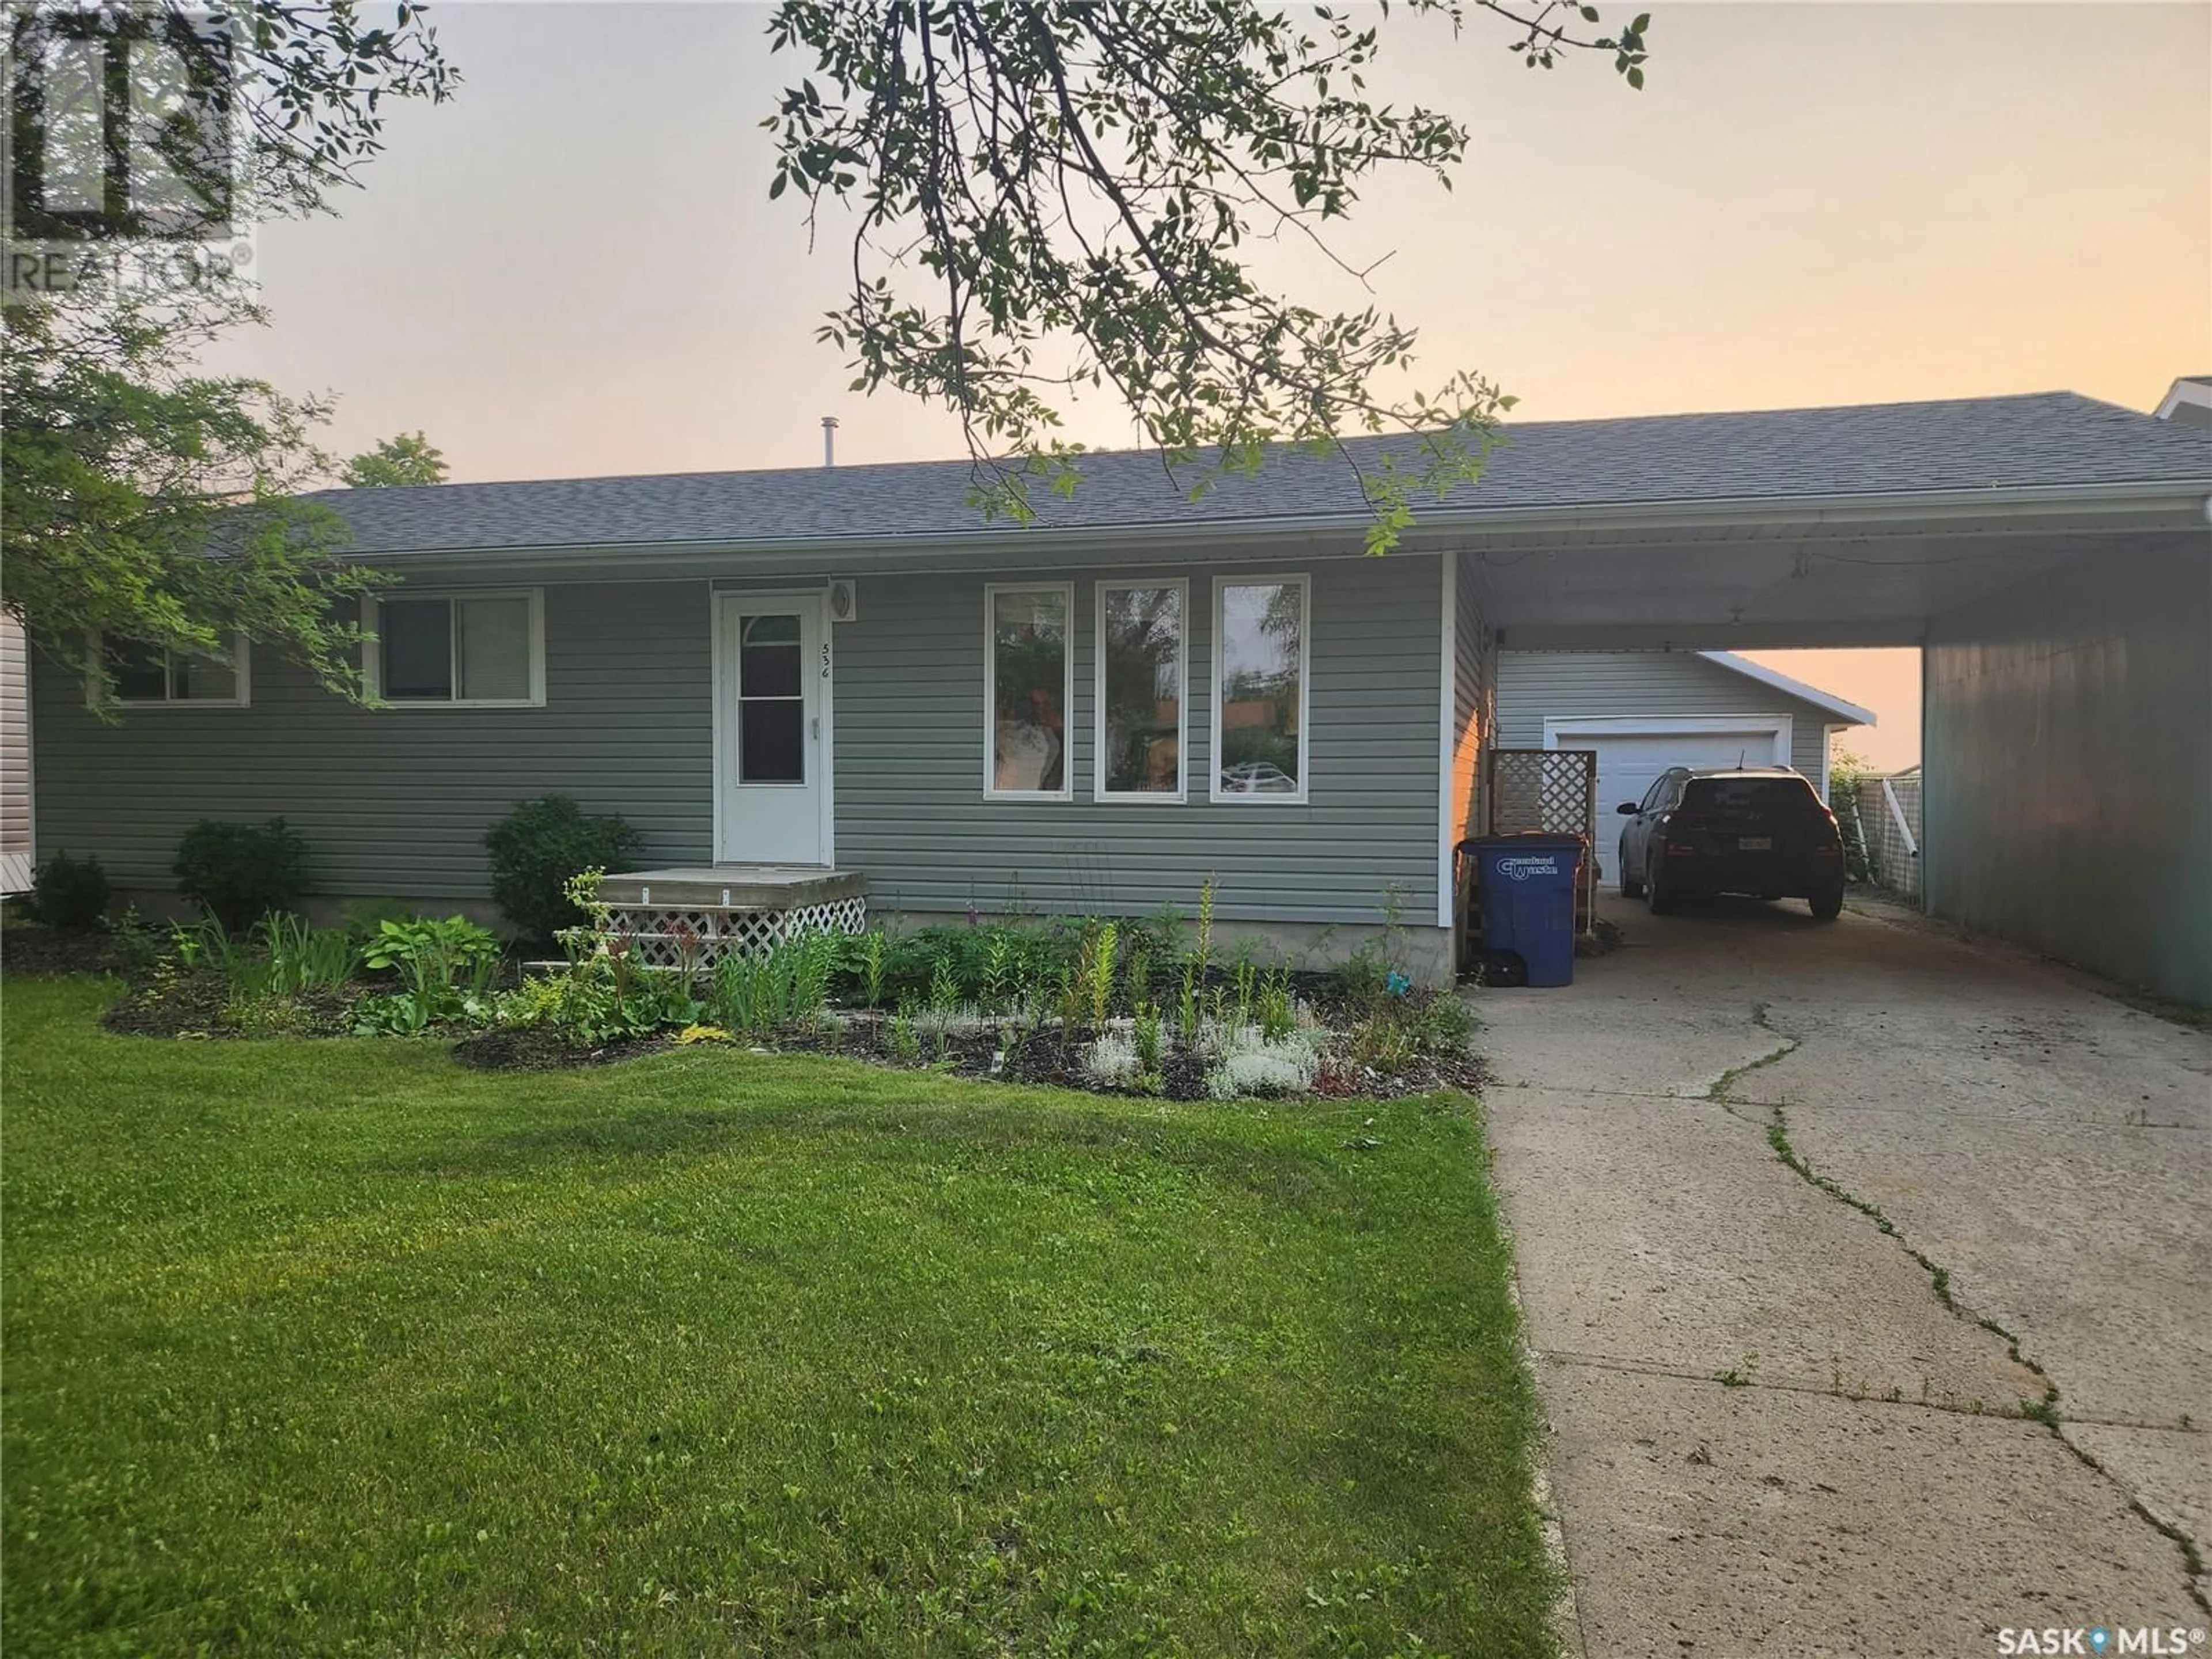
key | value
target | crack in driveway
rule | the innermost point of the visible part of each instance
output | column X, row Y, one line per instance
column 2045, row 1411
column 1787, row 1498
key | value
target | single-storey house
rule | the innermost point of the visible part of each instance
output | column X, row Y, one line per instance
column 849, row 670
column 1643, row 712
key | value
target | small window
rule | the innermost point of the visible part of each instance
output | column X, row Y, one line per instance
column 140, row 676
column 471, row 650
column 1142, row 668
column 771, row 700
column 1029, row 674
column 1260, row 679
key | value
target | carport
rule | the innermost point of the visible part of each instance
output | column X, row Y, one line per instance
column 2049, row 554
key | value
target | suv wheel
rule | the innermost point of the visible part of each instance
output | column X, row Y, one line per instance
column 1828, row 904
column 1630, row 887
column 1661, row 901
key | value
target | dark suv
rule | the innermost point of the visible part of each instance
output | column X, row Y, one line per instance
column 1755, row 829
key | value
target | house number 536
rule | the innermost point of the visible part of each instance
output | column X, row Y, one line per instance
column 825, row 659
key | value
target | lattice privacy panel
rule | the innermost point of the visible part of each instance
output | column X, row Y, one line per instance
column 704, row 934
column 1551, row 790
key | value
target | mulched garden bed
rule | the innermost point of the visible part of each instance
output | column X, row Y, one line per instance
column 171, row 1001
column 194, row 1002
column 27, row 948
column 1047, row 1060
column 541, row 1049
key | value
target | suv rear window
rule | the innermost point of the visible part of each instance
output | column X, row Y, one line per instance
column 1771, row 796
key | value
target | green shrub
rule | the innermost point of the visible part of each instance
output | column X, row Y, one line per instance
column 303, row 958
column 240, row 872
column 537, row 847
column 1363, row 979
column 787, row 985
column 454, row 945
column 446, row 968
column 987, row 964
column 365, row 917
column 1440, row 1022
column 67, row 892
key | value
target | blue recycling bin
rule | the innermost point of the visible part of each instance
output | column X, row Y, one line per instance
column 1529, row 901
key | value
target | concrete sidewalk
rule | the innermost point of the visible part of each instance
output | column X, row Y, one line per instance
column 1770, row 1434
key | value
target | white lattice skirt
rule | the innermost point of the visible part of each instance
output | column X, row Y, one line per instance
column 702, row 935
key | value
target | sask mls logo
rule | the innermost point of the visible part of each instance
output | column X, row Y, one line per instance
column 1524, row 869
column 122, row 129
column 2103, row 1641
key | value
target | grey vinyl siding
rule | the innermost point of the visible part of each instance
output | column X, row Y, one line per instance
column 15, row 756
column 911, row 816
column 1536, row 685
column 397, row 800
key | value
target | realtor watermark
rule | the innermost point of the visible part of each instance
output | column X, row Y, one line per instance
column 121, row 152
column 2102, row 1641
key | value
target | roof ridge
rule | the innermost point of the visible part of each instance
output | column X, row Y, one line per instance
column 1361, row 440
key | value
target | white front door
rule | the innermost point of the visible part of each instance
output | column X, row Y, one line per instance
column 772, row 770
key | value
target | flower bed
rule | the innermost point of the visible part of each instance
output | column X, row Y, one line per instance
column 1331, row 1052
column 1143, row 1007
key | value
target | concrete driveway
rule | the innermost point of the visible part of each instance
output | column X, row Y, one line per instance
column 1806, row 1217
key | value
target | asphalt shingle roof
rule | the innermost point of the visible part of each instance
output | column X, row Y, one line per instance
column 1963, row 444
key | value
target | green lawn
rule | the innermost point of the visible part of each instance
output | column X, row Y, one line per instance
column 336, row 1347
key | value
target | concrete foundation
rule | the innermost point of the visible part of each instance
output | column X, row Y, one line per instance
column 323, row 909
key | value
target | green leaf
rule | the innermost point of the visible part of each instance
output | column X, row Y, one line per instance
column 955, row 150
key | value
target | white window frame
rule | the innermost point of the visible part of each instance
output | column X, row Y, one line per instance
column 1218, row 679
column 372, row 665
column 1146, row 798
column 98, row 695
column 991, row 792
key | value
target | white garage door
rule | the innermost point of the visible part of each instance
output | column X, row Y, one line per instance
column 1630, row 762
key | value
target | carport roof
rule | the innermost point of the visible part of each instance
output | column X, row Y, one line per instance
column 1964, row 445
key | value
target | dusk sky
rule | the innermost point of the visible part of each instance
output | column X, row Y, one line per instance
column 574, row 268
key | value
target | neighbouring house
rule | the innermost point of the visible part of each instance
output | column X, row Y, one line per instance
column 2187, row 400
column 1643, row 712
column 847, row 673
